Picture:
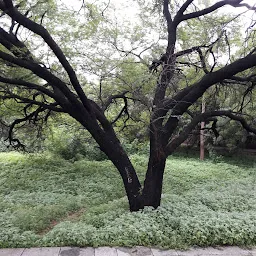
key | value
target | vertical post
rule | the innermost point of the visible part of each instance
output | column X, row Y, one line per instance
column 202, row 133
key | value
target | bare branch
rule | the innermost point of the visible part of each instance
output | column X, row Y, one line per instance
column 195, row 48
column 182, row 10
column 30, row 85
column 14, row 142
column 234, row 3
column 251, row 78
column 10, row 95
column 184, row 7
column 113, row 97
column 195, row 91
column 11, row 42
column 202, row 60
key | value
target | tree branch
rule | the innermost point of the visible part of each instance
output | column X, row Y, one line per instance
column 181, row 11
column 14, row 142
column 52, row 106
column 44, row 74
column 196, row 90
column 185, row 98
column 234, row 3
column 11, row 42
column 195, row 48
column 113, row 97
column 40, row 88
column 13, row 12
column 167, row 13
column 173, row 144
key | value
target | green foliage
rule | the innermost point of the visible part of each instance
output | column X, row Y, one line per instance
column 136, row 147
column 202, row 204
column 68, row 143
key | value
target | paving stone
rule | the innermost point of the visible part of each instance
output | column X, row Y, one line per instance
column 253, row 252
column 69, row 251
column 105, row 251
column 89, row 251
column 157, row 252
column 220, row 251
column 190, row 252
column 44, row 251
column 143, row 251
column 124, row 252
column 232, row 251
column 135, row 251
column 201, row 251
column 11, row 252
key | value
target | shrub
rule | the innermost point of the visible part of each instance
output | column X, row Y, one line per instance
column 72, row 145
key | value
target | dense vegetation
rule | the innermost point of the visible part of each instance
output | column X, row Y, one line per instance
column 49, row 201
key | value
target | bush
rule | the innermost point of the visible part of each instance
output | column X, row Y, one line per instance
column 136, row 147
column 72, row 145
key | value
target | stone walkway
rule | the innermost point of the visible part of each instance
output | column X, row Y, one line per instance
column 120, row 251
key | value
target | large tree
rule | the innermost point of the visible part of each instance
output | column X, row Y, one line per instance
column 41, row 90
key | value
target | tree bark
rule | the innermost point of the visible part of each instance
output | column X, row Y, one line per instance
column 154, row 180
column 130, row 179
column 154, row 177
column 111, row 146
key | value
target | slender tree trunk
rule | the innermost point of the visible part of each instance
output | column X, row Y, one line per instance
column 111, row 146
column 202, row 149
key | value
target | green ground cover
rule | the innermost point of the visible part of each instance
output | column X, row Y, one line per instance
column 48, row 201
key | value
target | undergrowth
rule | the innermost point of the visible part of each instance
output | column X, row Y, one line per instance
column 203, row 203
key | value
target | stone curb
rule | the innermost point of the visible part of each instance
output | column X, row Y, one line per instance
column 122, row 251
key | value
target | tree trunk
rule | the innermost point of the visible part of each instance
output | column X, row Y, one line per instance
column 111, row 146
column 119, row 158
column 130, row 179
column 154, row 180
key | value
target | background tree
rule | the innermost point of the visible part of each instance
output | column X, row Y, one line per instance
column 199, row 59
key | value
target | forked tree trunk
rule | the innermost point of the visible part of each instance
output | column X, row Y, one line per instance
column 110, row 145
column 151, row 194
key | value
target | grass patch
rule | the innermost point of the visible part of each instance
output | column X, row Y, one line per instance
column 48, row 201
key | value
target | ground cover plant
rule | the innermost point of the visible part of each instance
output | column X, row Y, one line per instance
column 49, row 201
